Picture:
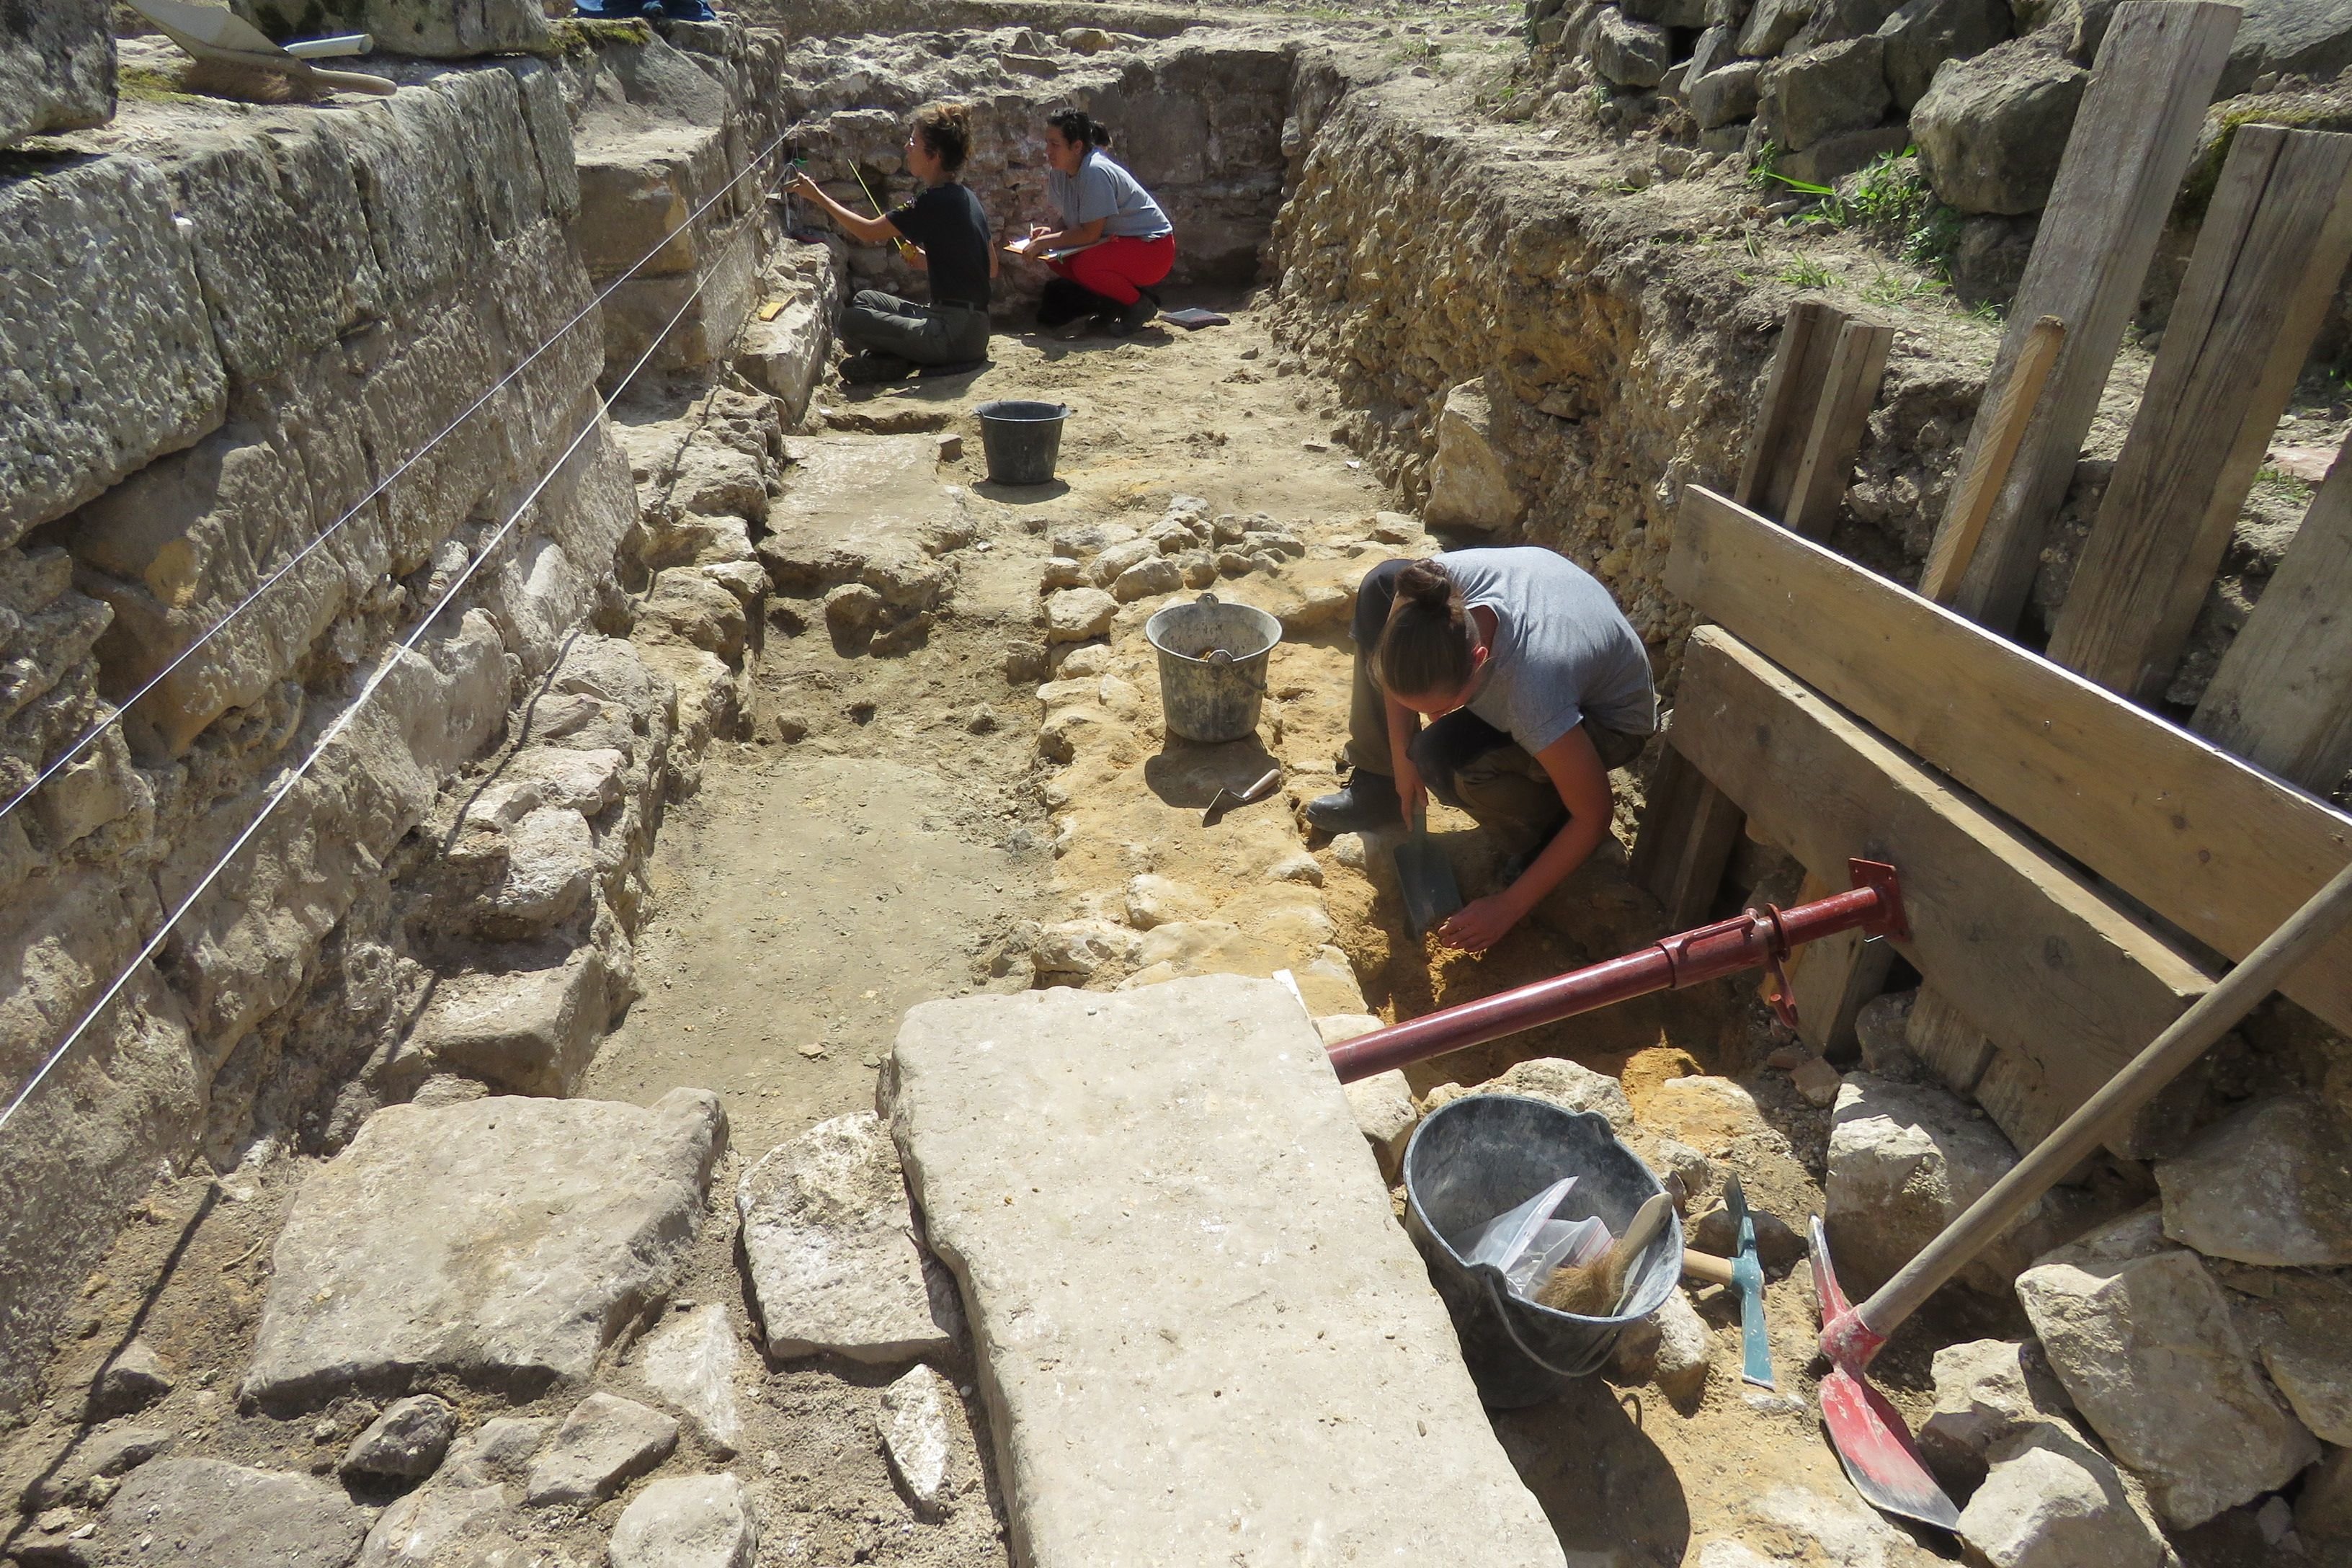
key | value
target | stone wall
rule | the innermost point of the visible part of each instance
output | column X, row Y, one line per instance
column 251, row 320
column 56, row 67
column 1199, row 119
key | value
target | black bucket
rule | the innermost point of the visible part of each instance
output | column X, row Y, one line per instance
column 1022, row 439
column 1483, row 1155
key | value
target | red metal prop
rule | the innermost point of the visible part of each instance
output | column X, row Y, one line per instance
column 1754, row 938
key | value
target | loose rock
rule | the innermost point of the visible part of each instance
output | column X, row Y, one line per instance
column 916, row 1420
column 1076, row 613
column 406, row 1441
column 2053, row 1501
column 494, row 1451
column 437, row 1526
column 1685, row 1349
column 1153, row 901
column 604, row 1443
column 1987, row 1391
column 831, row 1244
column 691, row 1362
column 2299, row 1334
column 2272, row 1184
column 1468, row 485
column 1146, row 578
column 1991, row 129
column 134, row 1378
column 687, row 1522
column 1385, row 1110
column 2139, row 1334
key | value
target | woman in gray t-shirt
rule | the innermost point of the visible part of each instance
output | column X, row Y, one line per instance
column 1536, row 685
column 1115, row 240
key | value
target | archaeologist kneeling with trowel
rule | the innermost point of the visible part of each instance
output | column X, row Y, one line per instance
column 1534, row 686
column 942, row 232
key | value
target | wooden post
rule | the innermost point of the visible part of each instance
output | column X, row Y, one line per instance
column 1801, row 367
column 2283, row 697
column 2266, row 265
column 2005, row 419
column 1850, row 388
column 2130, row 145
column 1832, row 978
column 1686, row 844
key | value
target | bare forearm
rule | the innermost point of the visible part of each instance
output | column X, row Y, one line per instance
column 1570, row 847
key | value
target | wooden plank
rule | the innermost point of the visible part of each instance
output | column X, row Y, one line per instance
column 2213, row 845
column 1768, row 475
column 2283, row 695
column 1990, row 460
column 2267, row 261
column 1841, row 419
column 1687, row 837
column 1945, row 1043
column 2040, row 962
column 1832, row 978
column 2131, row 145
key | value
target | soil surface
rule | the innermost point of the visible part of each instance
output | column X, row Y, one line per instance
column 894, row 830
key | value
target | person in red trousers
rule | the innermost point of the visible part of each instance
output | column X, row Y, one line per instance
column 1115, row 242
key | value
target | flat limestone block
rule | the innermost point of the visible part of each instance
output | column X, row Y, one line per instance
column 505, row 1240
column 1202, row 1338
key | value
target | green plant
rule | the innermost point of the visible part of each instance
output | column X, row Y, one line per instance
column 1806, row 273
column 1903, row 288
column 2286, row 486
column 1766, row 168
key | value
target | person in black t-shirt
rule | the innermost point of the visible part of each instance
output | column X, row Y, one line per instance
column 941, row 232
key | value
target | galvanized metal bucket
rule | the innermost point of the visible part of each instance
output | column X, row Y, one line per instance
column 1212, row 663
column 1483, row 1155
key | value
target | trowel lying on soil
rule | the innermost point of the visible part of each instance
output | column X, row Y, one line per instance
column 1225, row 800
column 1425, row 878
column 1868, row 1432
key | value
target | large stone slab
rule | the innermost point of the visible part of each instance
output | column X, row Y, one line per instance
column 2272, row 1185
column 206, row 1513
column 1202, row 1337
column 503, row 1240
column 57, row 67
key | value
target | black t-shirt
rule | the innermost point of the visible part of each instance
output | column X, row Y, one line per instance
column 947, row 222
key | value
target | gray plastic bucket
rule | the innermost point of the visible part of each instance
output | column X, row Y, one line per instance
column 1022, row 439
column 1212, row 659
column 1483, row 1155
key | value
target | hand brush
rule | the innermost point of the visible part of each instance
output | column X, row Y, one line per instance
column 1593, row 1289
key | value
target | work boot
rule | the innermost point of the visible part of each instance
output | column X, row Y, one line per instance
column 1369, row 801
column 870, row 369
column 1064, row 300
column 1134, row 317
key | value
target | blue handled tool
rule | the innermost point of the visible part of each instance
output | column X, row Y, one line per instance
column 1747, row 1278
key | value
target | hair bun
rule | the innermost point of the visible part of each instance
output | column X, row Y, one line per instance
column 1425, row 582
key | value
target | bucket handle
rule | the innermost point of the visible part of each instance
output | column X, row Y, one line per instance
column 1491, row 1277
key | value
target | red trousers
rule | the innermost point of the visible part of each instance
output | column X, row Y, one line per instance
column 1119, row 269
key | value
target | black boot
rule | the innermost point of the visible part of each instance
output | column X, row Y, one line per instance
column 1064, row 301
column 1369, row 801
column 1133, row 317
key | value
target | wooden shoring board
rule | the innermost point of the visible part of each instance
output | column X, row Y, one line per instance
column 1687, row 836
column 2026, row 949
column 2267, row 261
column 1831, row 978
column 2283, row 695
column 1800, row 368
column 2131, row 145
column 1945, row 1043
column 1857, row 365
column 2217, row 847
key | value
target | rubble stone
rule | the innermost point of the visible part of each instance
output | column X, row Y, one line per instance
column 2140, row 1336
column 2299, row 1333
column 2053, row 1501
column 1468, row 485
column 1991, row 129
column 1986, row 1391
column 1829, row 90
column 1772, row 25
column 1154, row 901
column 437, row 1526
column 1629, row 53
column 2323, row 1511
column 1685, row 1349
column 1881, row 1027
column 2271, row 1185
column 533, row 1031
column 691, row 1362
column 494, row 1451
column 603, row 1443
column 917, row 1419
column 57, row 70
column 134, row 1378
column 687, row 1522
column 1778, row 1247
column 1726, row 94
column 1073, row 614
column 406, row 1443
column 204, row 1511
column 830, row 1241
column 1146, row 578
column 1385, row 1110
column 504, row 1240
column 1904, row 1160
column 1924, row 34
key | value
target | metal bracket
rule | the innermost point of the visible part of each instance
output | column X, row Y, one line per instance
column 1887, row 883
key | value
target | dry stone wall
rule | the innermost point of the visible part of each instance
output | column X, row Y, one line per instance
column 246, row 325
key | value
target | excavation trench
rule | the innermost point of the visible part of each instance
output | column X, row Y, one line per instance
column 913, row 748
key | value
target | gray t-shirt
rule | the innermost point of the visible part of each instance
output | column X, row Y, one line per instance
column 1563, row 651
column 1101, row 189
